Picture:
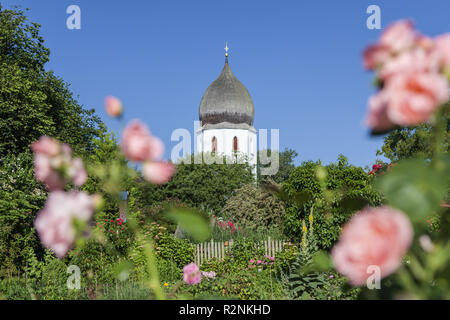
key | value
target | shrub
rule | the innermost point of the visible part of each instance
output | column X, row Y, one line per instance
column 244, row 285
column 252, row 207
column 21, row 197
column 172, row 253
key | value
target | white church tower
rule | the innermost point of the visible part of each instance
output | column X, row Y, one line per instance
column 226, row 118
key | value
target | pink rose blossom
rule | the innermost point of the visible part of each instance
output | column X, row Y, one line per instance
column 414, row 97
column 191, row 274
column 139, row 145
column 374, row 236
column 113, row 106
column 375, row 55
column 54, row 222
column 413, row 61
column 46, row 174
column 252, row 260
column 53, row 163
column 158, row 172
column 377, row 117
column 442, row 47
column 425, row 42
column 47, row 146
column 399, row 36
column 77, row 172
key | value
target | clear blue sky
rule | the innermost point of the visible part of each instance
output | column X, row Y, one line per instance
column 300, row 60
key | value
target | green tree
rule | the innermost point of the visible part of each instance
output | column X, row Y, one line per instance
column 200, row 185
column 413, row 142
column 285, row 166
column 20, row 199
column 353, row 189
column 33, row 101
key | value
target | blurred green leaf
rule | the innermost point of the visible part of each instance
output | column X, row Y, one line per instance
column 414, row 187
column 322, row 261
column 192, row 222
column 123, row 270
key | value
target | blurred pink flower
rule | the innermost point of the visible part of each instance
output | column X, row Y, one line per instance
column 375, row 55
column 399, row 36
column 374, row 236
column 210, row 274
column 414, row 97
column 412, row 70
column 417, row 60
column 139, row 145
column 53, row 163
column 46, row 174
column 191, row 274
column 158, row 172
column 252, row 260
column 425, row 42
column 77, row 172
column 47, row 146
column 377, row 117
column 442, row 47
column 113, row 106
column 54, row 222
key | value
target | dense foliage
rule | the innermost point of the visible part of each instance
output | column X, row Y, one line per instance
column 285, row 165
column 410, row 142
column 252, row 207
column 354, row 190
column 203, row 186
column 33, row 101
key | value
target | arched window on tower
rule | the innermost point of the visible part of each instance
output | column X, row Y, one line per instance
column 235, row 144
column 214, row 145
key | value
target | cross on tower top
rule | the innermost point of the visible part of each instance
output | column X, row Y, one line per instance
column 226, row 49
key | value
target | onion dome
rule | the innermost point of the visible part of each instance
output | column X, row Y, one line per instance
column 226, row 100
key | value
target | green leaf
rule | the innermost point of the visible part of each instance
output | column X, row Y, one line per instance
column 414, row 187
column 192, row 222
column 122, row 270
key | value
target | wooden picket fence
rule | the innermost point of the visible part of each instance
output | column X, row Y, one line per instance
column 217, row 249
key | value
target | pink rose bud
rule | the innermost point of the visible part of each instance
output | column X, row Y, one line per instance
column 113, row 106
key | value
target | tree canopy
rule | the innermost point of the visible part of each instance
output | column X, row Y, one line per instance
column 348, row 180
column 203, row 186
column 33, row 101
column 410, row 142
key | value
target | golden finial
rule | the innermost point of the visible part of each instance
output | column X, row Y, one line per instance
column 226, row 49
